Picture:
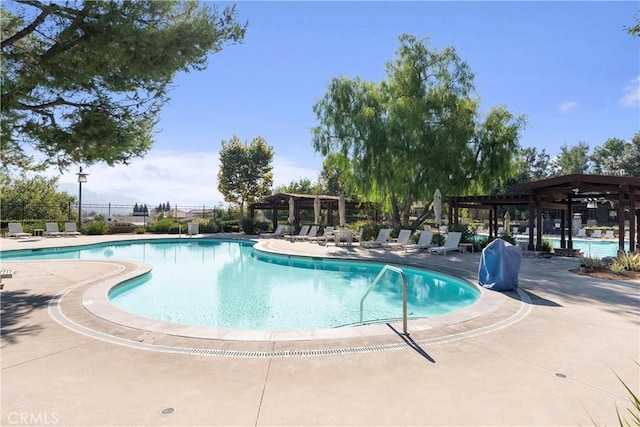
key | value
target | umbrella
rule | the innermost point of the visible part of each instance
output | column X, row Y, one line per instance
column 292, row 210
column 316, row 209
column 341, row 210
column 437, row 206
column 507, row 223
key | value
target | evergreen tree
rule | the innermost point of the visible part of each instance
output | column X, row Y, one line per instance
column 84, row 81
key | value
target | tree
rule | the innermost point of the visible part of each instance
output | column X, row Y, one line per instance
column 245, row 172
column 536, row 165
column 83, row 82
column 572, row 160
column 635, row 30
column 331, row 177
column 396, row 142
column 302, row 186
column 530, row 165
column 33, row 197
column 607, row 159
column 631, row 157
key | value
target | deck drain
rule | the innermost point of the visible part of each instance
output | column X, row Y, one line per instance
column 56, row 313
column 559, row 375
column 167, row 411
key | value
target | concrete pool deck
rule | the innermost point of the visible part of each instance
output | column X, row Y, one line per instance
column 550, row 360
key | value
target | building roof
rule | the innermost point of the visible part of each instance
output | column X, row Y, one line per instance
column 582, row 185
column 564, row 189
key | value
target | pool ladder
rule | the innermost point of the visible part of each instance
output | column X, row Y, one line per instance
column 404, row 294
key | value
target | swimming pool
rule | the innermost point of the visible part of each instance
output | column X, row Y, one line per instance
column 229, row 285
column 590, row 247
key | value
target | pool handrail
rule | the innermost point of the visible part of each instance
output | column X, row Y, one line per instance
column 404, row 294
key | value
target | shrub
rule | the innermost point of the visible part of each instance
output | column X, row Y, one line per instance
column 591, row 262
column 468, row 235
column 207, row 225
column 634, row 411
column 629, row 261
column 617, row 267
column 250, row 226
column 95, row 228
column 438, row 239
column 140, row 230
column 370, row 230
column 164, row 226
column 481, row 242
column 231, row 226
column 508, row 237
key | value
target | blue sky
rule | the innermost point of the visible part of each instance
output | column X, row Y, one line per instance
column 569, row 67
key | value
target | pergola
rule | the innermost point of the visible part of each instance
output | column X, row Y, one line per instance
column 563, row 193
column 280, row 202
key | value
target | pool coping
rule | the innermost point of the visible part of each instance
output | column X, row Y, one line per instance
column 84, row 308
column 95, row 299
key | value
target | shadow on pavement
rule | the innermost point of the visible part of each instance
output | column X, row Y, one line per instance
column 17, row 306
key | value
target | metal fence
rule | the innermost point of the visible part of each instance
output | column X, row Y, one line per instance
column 37, row 212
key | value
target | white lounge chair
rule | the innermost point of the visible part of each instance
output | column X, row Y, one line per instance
column 383, row 236
column 70, row 229
column 451, row 243
column 343, row 236
column 608, row 234
column 15, row 230
column 5, row 274
column 500, row 230
column 302, row 234
column 597, row 234
column 326, row 235
column 582, row 233
column 403, row 239
column 279, row 232
column 312, row 232
column 51, row 230
column 358, row 237
column 424, row 242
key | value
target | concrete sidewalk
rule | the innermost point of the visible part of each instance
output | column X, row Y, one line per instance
column 554, row 364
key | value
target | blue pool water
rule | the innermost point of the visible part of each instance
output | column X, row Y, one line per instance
column 227, row 284
column 590, row 247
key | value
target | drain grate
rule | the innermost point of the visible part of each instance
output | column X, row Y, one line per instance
column 55, row 311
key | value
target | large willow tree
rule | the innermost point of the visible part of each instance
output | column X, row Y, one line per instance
column 399, row 140
column 83, row 81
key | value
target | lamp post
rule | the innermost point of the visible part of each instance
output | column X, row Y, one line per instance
column 82, row 177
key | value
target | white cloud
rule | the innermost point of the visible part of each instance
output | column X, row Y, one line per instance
column 568, row 106
column 286, row 170
column 631, row 98
column 183, row 178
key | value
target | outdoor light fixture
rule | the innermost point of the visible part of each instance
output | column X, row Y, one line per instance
column 82, row 178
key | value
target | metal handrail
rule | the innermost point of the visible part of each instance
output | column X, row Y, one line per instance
column 404, row 294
